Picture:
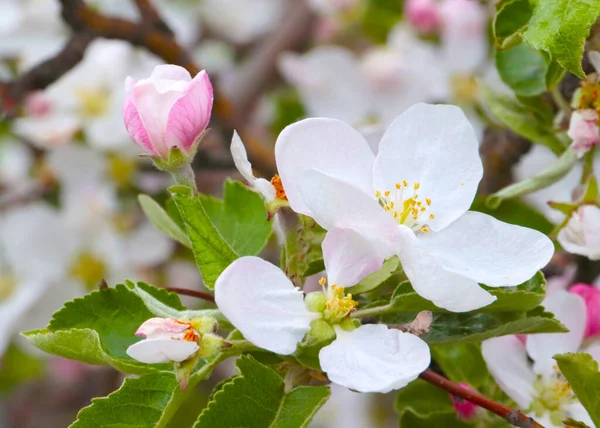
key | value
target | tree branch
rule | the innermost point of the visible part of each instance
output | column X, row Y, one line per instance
column 192, row 293
column 513, row 416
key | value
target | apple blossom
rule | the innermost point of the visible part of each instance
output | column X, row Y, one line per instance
column 539, row 387
column 424, row 15
column 165, row 340
column 584, row 131
column 581, row 235
column 263, row 304
column 272, row 191
column 167, row 110
column 591, row 297
column 412, row 200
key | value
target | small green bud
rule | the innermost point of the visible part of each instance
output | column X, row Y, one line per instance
column 316, row 301
column 210, row 344
column 204, row 325
column 321, row 330
column 349, row 324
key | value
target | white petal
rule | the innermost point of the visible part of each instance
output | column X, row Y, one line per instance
column 489, row 251
column 436, row 146
column 569, row 309
column 581, row 235
column 240, row 158
column 336, row 204
column 265, row 188
column 506, row 360
column 349, row 257
column 578, row 412
column 36, row 240
column 148, row 247
column 154, row 351
column 373, row 358
column 330, row 83
column 445, row 289
column 261, row 302
column 73, row 163
column 327, row 145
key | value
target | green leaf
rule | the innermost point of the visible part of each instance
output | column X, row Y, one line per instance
column 138, row 403
column 240, row 217
column 462, row 362
column 161, row 220
column 523, row 69
column 376, row 279
column 515, row 211
column 512, row 17
column 256, row 398
column 521, row 119
column 581, row 370
column 479, row 326
column 99, row 327
column 379, row 17
column 560, row 28
column 554, row 75
column 422, row 405
column 18, row 367
column 523, row 297
column 301, row 254
column 211, row 252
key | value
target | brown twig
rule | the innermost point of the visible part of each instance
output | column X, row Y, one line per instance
column 513, row 416
column 47, row 72
column 192, row 293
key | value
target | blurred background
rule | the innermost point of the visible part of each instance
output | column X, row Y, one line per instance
column 70, row 176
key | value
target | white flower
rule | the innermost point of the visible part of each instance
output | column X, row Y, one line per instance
column 538, row 387
column 165, row 340
column 262, row 303
column 242, row 21
column 412, row 199
column 581, row 235
column 240, row 159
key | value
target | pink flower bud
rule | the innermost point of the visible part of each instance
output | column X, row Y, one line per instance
column 466, row 18
column 583, row 130
column 424, row 15
column 170, row 109
column 165, row 340
column 464, row 409
column 591, row 296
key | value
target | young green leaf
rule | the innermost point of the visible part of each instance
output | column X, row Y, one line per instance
column 560, row 28
column 522, row 120
column 256, row 398
column 376, row 279
column 523, row 69
column 161, row 220
column 138, row 403
column 211, row 252
column 462, row 362
column 512, row 17
column 240, row 217
column 581, row 371
column 479, row 326
column 99, row 327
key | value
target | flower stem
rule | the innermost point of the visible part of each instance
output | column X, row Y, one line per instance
column 371, row 312
column 560, row 101
column 193, row 293
column 186, row 176
column 513, row 416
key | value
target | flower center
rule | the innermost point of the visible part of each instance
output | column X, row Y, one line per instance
column 8, row 284
column 89, row 269
column 93, row 102
column 406, row 206
column 278, row 185
column 338, row 305
column 553, row 395
column 464, row 88
column 590, row 95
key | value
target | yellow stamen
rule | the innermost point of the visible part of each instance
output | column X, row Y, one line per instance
column 378, row 194
column 424, row 229
column 431, row 216
column 322, row 281
column 398, row 186
column 417, row 185
column 428, row 201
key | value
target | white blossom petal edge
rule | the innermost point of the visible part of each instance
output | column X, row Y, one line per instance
column 373, row 358
column 411, row 199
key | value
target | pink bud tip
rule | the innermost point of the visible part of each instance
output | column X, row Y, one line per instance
column 591, row 296
column 464, row 409
column 424, row 15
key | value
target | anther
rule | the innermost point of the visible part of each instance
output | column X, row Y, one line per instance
column 417, row 185
column 428, row 201
column 431, row 216
column 405, row 183
column 322, row 281
column 387, row 193
column 424, row 229
column 378, row 194
column 398, row 186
